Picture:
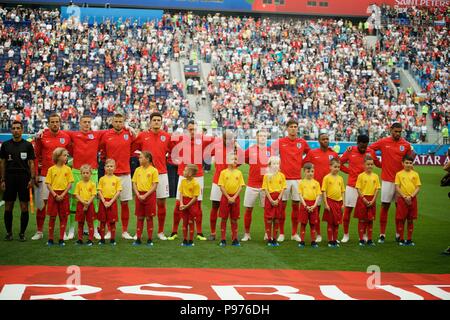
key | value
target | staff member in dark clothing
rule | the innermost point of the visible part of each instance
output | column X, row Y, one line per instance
column 17, row 176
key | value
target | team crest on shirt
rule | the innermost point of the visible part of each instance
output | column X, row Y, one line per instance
column 299, row 145
column 268, row 153
column 62, row 140
column 330, row 157
column 125, row 137
column 198, row 141
column 402, row 148
column 90, row 136
column 23, row 155
column 163, row 138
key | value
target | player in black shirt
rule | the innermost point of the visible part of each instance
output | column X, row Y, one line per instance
column 17, row 175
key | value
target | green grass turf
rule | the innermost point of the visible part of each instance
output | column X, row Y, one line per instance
column 431, row 235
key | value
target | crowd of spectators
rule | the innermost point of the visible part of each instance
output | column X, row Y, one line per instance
column 420, row 39
column 66, row 66
column 316, row 70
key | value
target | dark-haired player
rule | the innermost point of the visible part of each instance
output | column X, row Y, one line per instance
column 355, row 157
column 320, row 158
column 392, row 149
column 158, row 143
column 291, row 150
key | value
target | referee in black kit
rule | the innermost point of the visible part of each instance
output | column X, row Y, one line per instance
column 17, row 176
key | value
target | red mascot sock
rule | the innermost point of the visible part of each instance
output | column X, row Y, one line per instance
column 223, row 229
column 112, row 229
column 191, row 230
column 234, row 229
column 401, row 229
column 51, row 228
column 139, row 228
column 150, row 228
column 302, row 231
column 268, row 226
column 361, row 229
column 80, row 230
column 62, row 226
column 410, row 229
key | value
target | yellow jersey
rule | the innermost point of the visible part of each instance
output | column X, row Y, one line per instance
column 59, row 178
column 368, row 184
column 231, row 180
column 144, row 178
column 85, row 190
column 189, row 189
column 407, row 181
column 276, row 183
column 333, row 186
column 309, row 189
column 109, row 186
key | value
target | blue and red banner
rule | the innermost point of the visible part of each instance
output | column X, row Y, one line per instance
column 110, row 283
column 302, row 7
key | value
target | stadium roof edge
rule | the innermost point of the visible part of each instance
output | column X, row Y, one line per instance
column 57, row 3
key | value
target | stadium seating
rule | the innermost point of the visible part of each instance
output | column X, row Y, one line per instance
column 36, row 50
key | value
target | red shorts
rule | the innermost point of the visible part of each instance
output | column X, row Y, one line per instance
column 191, row 213
column 271, row 212
column 334, row 215
column 81, row 215
column 231, row 210
column 55, row 208
column 107, row 214
column 405, row 212
column 362, row 212
column 304, row 216
column 146, row 208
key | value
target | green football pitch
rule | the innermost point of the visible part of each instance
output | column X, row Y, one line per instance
column 431, row 235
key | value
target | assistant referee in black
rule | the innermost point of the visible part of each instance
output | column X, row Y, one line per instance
column 17, row 175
